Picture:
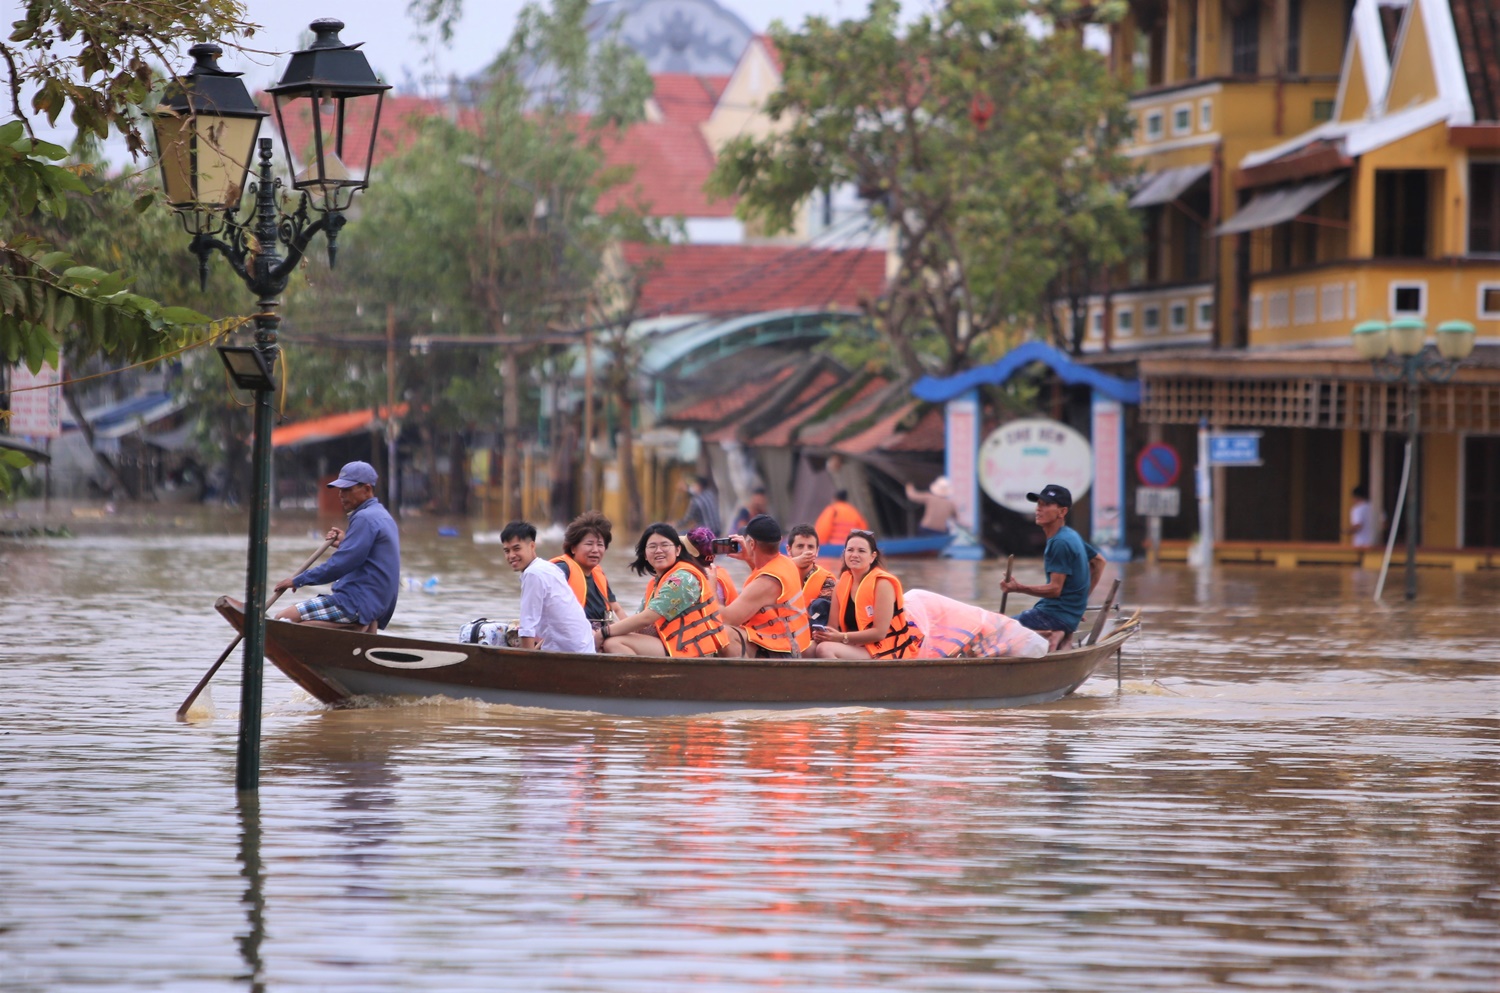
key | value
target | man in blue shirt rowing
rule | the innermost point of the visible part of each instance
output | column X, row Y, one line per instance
column 366, row 568
column 1072, row 565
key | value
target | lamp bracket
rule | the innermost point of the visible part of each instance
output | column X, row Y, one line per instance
column 1426, row 366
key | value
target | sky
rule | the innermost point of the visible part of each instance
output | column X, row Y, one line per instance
column 394, row 50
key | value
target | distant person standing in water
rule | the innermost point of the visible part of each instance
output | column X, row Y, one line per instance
column 1364, row 520
column 938, row 509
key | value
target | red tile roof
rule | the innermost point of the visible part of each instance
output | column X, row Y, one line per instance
column 742, row 279
column 929, row 434
column 401, row 118
column 672, row 163
column 805, row 404
column 1478, row 24
column 865, row 402
column 722, row 406
column 686, row 98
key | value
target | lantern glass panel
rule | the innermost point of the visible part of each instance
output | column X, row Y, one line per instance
column 1455, row 340
column 1408, row 337
column 1372, row 340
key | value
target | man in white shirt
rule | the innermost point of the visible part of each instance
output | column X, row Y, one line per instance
column 551, row 616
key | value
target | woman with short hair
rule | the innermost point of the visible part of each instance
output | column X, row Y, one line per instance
column 679, row 617
column 868, row 615
column 584, row 544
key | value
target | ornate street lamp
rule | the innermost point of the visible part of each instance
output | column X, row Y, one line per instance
column 206, row 127
column 1399, row 353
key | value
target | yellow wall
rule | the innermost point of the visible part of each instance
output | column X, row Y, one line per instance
column 1322, row 23
column 1440, row 494
column 1412, row 78
column 739, row 108
column 1349, row 475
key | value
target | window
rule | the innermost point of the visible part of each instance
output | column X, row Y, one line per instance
column 1409, row 299
column 1257, row 303
column 1125, row 322
column 1205, row 321
column 1182, row 119
column 1401, row 199
column 1322, row 110
column 1205, row 115
column 1151, row 319
column 1096, row 324
column 1489, row 301
column 1244, row 35
column 1484, row 208
column 1177, row 316
column 1154, row 126
column 1293, row 36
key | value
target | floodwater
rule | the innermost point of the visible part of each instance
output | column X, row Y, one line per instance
column 1289, row 789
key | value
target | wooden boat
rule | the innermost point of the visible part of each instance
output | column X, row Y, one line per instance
column 337, row 665
column 909, row 547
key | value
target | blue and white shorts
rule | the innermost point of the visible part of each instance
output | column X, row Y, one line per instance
column 1038, row 619
column 324, row 608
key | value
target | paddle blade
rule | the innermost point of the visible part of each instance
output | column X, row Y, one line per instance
column 201, row 709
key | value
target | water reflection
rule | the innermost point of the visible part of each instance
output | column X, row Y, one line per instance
column 255, row 895
column 1295, row 789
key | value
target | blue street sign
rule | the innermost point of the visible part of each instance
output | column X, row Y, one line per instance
column 1240, row 448
column 1158, row 465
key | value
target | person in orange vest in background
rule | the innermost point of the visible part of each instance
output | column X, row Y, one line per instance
column 584, row 544
column 769, row 618
column 868, row 619
column 838, row 519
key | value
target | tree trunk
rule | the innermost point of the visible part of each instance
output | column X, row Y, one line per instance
column 88, row 436
column 626, row 453
column 510, row 478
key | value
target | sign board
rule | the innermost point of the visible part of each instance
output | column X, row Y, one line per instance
column 36, row 413
column 1158, row 465
column 1239, row 448
column 963, row 449
column 1158, row 501
column 1108, row 433
column 1025, row 455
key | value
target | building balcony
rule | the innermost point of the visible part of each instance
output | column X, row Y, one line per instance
column 1202, row 113
column 1319, row 304
column 1148, row 317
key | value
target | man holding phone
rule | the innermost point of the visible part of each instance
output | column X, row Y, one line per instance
column 802, row 547
column 769, row 618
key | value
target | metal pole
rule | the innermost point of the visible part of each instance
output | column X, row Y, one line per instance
column 1413, row 430
column 392, row 473
column 247, row 759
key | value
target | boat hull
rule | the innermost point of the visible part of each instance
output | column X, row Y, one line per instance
column 337, row 666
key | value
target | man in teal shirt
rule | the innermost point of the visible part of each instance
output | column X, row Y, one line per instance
column 1072, row 565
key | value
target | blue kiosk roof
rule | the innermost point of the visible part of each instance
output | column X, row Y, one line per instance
column 935, row 390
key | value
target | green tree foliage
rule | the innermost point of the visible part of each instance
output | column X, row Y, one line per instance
column 984, row 132
column 490, row 225
column 98, row 60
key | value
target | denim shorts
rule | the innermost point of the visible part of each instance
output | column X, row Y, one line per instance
column 323, row 608
column 1038, row 619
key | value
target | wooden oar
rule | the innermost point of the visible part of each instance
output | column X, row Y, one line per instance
column 1010, row 560
column 202, row 683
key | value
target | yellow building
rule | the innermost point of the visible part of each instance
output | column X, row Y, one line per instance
column 1308, row 165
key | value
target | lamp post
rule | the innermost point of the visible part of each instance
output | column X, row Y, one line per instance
column 1399, row 353
column 206, row 128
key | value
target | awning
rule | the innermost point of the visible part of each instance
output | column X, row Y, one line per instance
column 1277, row 206
column 1167, row 185
column 326, row 428
column 129, row 416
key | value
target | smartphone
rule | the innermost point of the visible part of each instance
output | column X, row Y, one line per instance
column 726, row 545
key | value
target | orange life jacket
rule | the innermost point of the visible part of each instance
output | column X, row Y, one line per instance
column 697, row 631
column 726, row 584
column 837, row 520
column 902, row 640
column 579, row 585
column 782, row 626
column 816, row 580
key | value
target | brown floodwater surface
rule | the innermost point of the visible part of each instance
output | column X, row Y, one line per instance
column 1289, row 788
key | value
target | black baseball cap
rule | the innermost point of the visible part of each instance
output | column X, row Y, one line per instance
column 763, row 527
column 1052, row 493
